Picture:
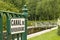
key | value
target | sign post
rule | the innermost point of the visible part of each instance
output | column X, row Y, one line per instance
column 24, row 35
column 17, row 25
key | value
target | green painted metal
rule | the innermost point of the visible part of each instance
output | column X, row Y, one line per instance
column 24, row 37
column 10, row 15
column 1, row 27
column 12, row 37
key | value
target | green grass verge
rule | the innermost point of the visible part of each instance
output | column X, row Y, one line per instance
column 47, row 36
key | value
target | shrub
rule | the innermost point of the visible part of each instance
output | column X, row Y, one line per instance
column 7, row 7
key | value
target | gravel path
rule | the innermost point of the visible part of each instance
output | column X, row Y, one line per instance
column 41, row 32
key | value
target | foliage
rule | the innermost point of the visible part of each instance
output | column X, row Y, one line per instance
column 38, row 9
column 17, row 3
column 30, row 23
column 43, row 9
column 8, row 7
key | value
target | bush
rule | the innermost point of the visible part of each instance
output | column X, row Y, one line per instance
column 30, row 23
column 7, row 7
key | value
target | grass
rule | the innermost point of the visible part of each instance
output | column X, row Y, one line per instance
column 47, row 36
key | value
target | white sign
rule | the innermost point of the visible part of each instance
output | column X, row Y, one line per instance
column 17, row 25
